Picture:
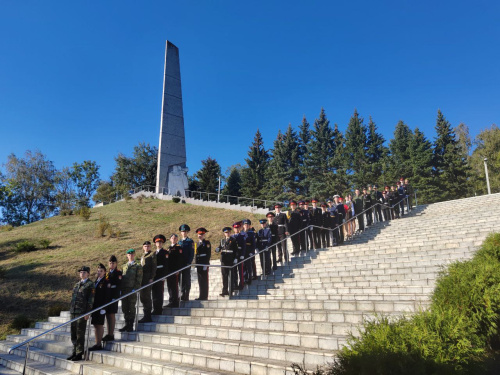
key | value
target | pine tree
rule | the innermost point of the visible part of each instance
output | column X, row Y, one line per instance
column 356, row 151
column 376, row 152
column 450, row 164
column 233, row 183
column 399, row 163
column 304, row 139
column 317, row 160
column 283, row 173
column 208, row 176
column 422, row 181
column 253, row 175
column 338, row 164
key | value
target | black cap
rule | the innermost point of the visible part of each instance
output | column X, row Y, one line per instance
column 226, row 229
column 100, row 265
column 271, row 214
column 278, row 205
column 159, row 237
column 112, row 258
column 262, row 221
column 84, row 268
column 184, row 228
column 201, row 230
column 146, row 243
column 247, row 221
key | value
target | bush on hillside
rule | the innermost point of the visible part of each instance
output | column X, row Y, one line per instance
column 45, row 243
column 25, row 246
column 55, row 310
column 176, row 199
column 103, row 226
column 3, row 272
column 84, row 212
column 20, row 321
column 453, row 337
column 6, row 228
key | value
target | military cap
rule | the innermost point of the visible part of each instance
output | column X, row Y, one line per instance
column 293, row 202
column 247, row 221
column 226, row 229
column 237, row 224
column 314, row 200
column 278, row 205
column 341, row 199
column 100, row 265
column 387, row 187
column 301, row 203
column 262, row 221
column 184, row 228
column 146, row 243
column 130, row 251
column 201, row 230
column 398, row 183
column 112, row 258
column 324, row 205
column 328, row 200
column 336, row 196
column 159, row 237
column 271, row 214
column 84, row 269
column 307, row 201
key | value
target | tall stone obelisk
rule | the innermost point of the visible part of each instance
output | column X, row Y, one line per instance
column 171, row 177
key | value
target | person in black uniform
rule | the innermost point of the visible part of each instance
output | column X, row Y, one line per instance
column 113, row 287
column 274, row 236
column 228, row 250
column 281, row 221
column 340, row 210
column 310, row 231
column 175, row 262
column 187, row 245
column 315, row 219
column 203, row 253
column 332, row 210
column 240, row 241
column 250, row 246
column 386, row 209
column 303, row 227
column 325, row 223
column 294, row 224
column 264, row 241
column 379, row 198
column 100, row 298
column 401, row 196
column 394, row 200
column 367, row 204
column 158, row 289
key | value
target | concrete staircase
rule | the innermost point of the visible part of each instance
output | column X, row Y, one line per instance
column 301, row 314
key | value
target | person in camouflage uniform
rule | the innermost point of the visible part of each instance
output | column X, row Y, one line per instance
column 131, row 280
column 81, row 302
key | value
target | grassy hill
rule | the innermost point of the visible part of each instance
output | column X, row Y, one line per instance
column 32, row 282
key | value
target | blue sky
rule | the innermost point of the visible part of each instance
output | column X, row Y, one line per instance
column 83, row 80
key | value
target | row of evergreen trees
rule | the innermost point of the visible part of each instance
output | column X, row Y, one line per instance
column 320, row 160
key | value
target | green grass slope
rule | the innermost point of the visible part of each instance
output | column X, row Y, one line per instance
column 33, row 282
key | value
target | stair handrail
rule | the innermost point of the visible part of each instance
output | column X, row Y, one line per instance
column 137, row 291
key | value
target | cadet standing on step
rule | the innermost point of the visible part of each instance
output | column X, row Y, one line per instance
column 240, row 240
column 203, row 253
column 131, row 280
column 303, row 227
column 250, row 246
column 158, row 288
column 325, row 223
column 367, row 204
column 228, row 249
column 282, row 223
column 316, row 219
column 358, row 208
column 148, row 263
column 264, row 241
column 100, row 298
column 175, row 263
column 81, row 302
column 294, row 224
column 113, row 287
column 187, row 245
column 274, row 236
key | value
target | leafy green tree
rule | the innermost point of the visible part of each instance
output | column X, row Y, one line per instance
column 137, row 171
column 303, row 154
column 86, row 179
column 283, row 174
column 208, row 175
column 254, row 174
column 356, row 150
column 487, row 144
column 105, row 193
column 399, row 163
column 65, row 194
column 450, row 164
column 29, row 184
column 318, row 159
column 376, row 152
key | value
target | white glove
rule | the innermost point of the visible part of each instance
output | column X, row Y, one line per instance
column 204, row 268
column 102, row 312
column 310, row 228
column 242, row 257
column 235, row 261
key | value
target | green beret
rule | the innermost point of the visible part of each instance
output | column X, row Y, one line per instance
column 130, row 251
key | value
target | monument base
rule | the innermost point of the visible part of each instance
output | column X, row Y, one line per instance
column 177, row 182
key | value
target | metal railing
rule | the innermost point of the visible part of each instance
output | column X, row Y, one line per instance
column 248, row 258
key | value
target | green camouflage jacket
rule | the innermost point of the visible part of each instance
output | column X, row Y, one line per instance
column 83, row 297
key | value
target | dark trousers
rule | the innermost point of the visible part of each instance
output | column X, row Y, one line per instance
column 203, row 281
column 369, row 217
column 325, row 238
column 248, row 266
column 225, row 279
column 402, row 206
column 265, row 261
column 185, row 284
column 173, row 289
column 361, row 222
column 317, row 237
column 378, row 213
column 78, row 334
column 282, row 249
column 302, row 241
column 387, row 214
column 157, row 290
column 273, row 253
column 241, row 273
column 254, row 265
column 296, row 241
column 310, row 237
column 147, row 302
column 129, row 306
